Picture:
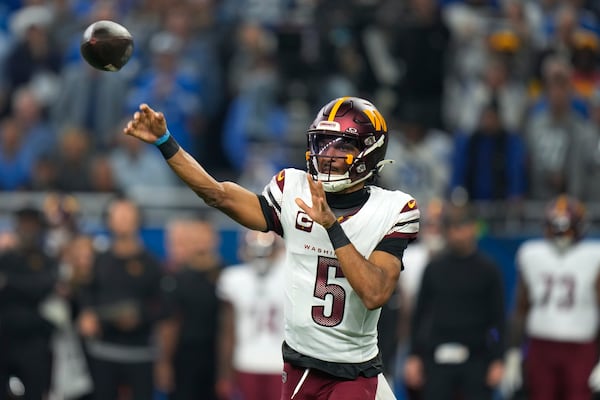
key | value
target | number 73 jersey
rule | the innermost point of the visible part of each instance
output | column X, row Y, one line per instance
column 561, row 289
column 324, row 317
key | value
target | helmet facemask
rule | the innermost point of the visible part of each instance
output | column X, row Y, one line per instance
column 353, row 150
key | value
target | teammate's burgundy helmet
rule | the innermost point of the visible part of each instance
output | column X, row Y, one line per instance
column 565, row 215
column 259, row 244
column 355, row 121
column 258, row 249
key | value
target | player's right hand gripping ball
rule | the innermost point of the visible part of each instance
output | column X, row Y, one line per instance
column 106, row 45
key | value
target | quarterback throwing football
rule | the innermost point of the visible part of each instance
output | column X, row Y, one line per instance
column 344, row 244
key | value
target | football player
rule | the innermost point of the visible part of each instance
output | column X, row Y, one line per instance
column 252, row 321
column 344, row 241
column 557, row 297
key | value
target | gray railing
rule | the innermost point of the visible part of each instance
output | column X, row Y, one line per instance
column 161, row 205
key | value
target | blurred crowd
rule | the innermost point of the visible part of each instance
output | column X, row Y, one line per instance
column 486, row 100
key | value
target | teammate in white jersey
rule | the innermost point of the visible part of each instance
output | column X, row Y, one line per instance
column 344, row 244
column 558, row 293
column 252, row 321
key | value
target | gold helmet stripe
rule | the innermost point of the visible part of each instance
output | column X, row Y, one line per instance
column 335, row 108
column 376, row 119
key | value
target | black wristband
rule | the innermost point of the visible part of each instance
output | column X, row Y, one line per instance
column 169, row 147
column 337, row 236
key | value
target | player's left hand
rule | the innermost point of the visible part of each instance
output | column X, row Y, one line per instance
column 320, row 211
column 88, row 324
column 494, row 373
column 225, row 389
column 414, row 373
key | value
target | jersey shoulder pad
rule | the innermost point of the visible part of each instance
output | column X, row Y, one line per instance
column 407, row 218
column 284, row 180
column 535, row 248
column 532, row 245
column 288, row 177
column 590, row 244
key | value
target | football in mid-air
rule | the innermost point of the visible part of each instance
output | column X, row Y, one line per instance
column 106, row 45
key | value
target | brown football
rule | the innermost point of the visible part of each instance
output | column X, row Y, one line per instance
column 106, row 45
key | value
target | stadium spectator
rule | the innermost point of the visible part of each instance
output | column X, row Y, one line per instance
column 90, row 99
column 120, row 308
column 586, row 72
column 499, row 85
column 63, row 216
column 192, row 330
column 469, row 22
column 420, row 43
column 552, row 134
column 256, row 120
column 563, row 20
column 16, row 157
column 172, row 84
column 33, row 59
column 73, row 161
column 30, row 116
column 490, row 164
column 457, row 329
column 346, row 59
column 589, row 151
column 71, row 378
column 422, row 158
column 43, row 174
column 192, row 24
column 102, row 175
column 76, row 268
column 521, row 21
column 27, row 277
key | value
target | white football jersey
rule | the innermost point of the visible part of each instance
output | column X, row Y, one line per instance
column 562, row 290
column 324, row 317
column 258, row 312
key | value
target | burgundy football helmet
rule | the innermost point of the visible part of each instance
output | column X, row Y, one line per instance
column 347, row 121
column 259, row 249
column 565, row 216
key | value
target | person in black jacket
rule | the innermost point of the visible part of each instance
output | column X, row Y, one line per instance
column 191, row 333
column 457, row 334
column 121, row 307
column 27, row 276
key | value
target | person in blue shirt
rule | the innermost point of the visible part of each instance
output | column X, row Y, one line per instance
column 490, row 163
